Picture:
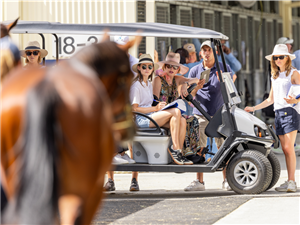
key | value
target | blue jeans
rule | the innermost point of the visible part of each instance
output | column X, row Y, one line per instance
column 213, row 150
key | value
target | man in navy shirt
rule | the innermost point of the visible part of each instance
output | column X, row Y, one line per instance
column 211, row 100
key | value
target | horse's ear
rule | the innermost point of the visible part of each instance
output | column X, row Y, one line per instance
column 137, row 40
column 10, row 26
column 105, row 36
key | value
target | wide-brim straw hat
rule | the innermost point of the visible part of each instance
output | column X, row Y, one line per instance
column 145, row 58
column 34, row 46
column 280, row 49
column 174, row 59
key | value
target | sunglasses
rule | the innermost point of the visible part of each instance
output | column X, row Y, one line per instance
column 170, row 66
column 145, row 67
column 279, row 57
column 34, row 53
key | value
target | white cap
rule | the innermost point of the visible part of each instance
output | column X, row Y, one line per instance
column 206, row 43
column 121, row 40
column 284, row 40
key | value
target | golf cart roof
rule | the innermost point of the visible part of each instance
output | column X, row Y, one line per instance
column 124, row 29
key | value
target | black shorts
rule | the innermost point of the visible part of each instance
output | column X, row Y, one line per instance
column 286, row 120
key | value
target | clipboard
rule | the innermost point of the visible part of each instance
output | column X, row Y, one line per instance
column 205, row 75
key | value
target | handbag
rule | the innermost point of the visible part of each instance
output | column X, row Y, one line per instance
column 268, row 112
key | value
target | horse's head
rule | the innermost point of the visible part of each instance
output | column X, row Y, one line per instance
column 10, row 55
column 111, row 63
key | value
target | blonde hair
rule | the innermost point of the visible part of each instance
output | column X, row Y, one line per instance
column 7, row 62
column 275, row 69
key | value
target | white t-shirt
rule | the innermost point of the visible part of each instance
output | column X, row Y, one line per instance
column 141, row 95
column 281, row 87
column 132, row 61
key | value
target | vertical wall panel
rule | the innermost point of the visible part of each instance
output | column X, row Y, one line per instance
column 162, row 16
column 209, row 20
column 141, row 17
column 185, row 20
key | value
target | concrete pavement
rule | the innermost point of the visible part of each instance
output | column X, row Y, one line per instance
column 159, row 192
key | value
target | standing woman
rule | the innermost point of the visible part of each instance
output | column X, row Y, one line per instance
column 287, row 118
column 167, row 86
column 33, row 54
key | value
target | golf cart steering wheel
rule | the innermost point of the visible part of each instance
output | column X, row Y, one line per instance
column 190, row 89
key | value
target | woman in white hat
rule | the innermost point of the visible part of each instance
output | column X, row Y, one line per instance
column 287, row 114
column 141, row 95
column 33, row 54
column 167, row 87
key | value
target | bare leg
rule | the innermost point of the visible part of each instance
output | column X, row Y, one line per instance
column 175, row 132
column 182, row 132
column 110, row 174
column 287, row 143
column 174, row 116
column 224, row 173
column 200, row 177
column 134, row 174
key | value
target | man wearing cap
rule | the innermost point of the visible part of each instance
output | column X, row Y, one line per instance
column 289, row 43
column 192, row 60
column 211, row 100
column 230, row 59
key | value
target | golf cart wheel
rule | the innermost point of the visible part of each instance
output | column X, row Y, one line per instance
column 275, row 168
column 249, row 172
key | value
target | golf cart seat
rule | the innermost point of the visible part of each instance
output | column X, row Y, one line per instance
column 150, row 145
column 211, row 129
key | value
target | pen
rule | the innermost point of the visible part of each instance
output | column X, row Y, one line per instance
column 155, row 100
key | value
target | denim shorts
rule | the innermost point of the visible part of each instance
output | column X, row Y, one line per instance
column 286, row 120
column 142, row 121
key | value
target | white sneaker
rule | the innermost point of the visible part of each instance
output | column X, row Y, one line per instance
column 118, row 160
column 292, row 186
column 282, row 187
column 225, row 186
column 127, row 158
column 195, row 186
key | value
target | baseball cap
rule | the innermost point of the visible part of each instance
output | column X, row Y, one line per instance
column 189, row 47
column 121, row 40
column 284, row 40
column 207, row 43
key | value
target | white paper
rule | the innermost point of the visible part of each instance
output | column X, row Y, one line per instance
column 179, row 103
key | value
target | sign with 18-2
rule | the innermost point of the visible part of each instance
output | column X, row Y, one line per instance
column 69, row 44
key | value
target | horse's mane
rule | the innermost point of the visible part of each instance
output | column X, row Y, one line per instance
column 105, row 58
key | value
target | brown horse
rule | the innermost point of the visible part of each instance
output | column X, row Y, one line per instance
column 58, row 159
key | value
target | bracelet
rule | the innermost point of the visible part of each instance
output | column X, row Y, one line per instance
column 187, row 83
column 253, row 108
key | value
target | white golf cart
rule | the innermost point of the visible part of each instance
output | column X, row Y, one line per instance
column 251, row 166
